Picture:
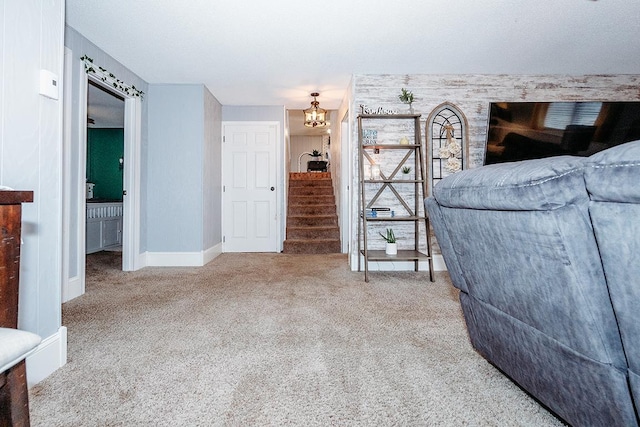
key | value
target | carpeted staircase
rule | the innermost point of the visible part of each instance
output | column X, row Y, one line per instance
column 312, row 222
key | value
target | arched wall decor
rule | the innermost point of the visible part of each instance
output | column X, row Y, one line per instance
column 447, row 142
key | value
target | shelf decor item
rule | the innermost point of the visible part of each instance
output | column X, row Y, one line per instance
column 375, row 171
column 369, row 136
column 391, row 248
column 407, row 98
column 451, row 151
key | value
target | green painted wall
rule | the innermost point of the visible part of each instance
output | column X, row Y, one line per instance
column 104, row 149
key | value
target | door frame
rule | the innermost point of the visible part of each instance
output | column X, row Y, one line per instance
column 131, row 171
column 280, row 208
column 74, row 196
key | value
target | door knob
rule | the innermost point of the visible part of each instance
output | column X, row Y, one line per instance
column 273, row 188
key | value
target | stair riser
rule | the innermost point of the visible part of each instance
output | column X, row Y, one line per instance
column 310, row 221
column 311, row 191
column 312, row 210
column 311, row 183
column 312, row 200
column 313, row 233
column 304, row 247
column 309, row 175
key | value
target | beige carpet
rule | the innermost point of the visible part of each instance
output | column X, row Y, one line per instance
column 272, row 340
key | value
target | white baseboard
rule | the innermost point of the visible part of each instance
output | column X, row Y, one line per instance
column 49, row 356
column 212, row 253
column 438, row 265
column 72, row 289
column 182, row 259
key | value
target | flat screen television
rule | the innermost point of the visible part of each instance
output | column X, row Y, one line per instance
column 533, row 130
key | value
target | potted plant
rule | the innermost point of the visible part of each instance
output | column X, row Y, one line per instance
column 407, row 98
column 406, row 170
column 316, row 155
column 391, row 247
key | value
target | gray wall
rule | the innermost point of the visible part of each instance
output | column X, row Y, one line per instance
column 212, row 177
column 174, row 196
column 31, row 151
column 184, row 188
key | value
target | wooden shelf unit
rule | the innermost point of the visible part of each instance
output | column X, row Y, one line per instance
column 391, row 181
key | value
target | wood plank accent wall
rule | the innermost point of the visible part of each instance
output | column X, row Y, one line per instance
column 472, row 94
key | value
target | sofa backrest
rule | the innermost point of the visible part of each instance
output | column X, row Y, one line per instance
column 522, row 236
column 613, row 181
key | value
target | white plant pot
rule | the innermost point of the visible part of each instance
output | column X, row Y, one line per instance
column 391, row 249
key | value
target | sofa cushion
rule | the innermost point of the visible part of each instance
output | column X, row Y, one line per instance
column 609, row 174
column 540, row 184
column 15, row 345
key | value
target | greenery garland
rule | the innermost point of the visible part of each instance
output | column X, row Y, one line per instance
column 108, row 78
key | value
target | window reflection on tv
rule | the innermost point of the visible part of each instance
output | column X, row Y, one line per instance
column 534, row 130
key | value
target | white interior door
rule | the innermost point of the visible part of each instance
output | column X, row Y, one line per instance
column 250, row 215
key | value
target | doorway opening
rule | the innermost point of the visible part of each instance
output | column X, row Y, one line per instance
column 104, row 173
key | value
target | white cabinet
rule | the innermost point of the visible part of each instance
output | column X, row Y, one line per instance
column 104, row 226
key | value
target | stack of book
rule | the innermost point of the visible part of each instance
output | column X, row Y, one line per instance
column 379, row 213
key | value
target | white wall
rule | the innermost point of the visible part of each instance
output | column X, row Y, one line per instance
column 303, row 144
column 31, row 159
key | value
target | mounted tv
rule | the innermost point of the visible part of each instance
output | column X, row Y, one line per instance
column 534, row 130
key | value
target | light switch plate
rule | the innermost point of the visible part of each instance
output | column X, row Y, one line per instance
column 48, row 84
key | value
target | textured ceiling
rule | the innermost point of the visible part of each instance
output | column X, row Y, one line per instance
column 254, row 52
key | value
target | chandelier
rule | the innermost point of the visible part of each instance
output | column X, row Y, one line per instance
column 315, row 116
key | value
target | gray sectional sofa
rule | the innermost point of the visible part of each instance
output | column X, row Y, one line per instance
column 546, row 254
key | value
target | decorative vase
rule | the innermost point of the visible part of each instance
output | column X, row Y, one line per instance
column 375, row 171
column 391, row 248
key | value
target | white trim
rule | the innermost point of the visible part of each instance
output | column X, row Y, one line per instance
column 49, row 356
column 131, row 183
column 73, row 288
column 182, row 259
column 131, row 258
column 345, row 181
column 67, row 102
column 211, row 253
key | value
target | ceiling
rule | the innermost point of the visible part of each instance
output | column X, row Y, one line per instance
column 104, row 108
column 254, row 52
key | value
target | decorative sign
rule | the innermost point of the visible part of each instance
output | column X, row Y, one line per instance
column 369, row 136
column 377, row 111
